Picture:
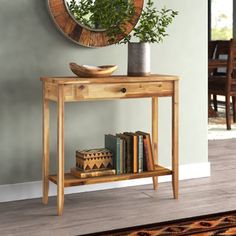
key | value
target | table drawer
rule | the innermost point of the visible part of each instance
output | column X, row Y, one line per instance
column 125, row 90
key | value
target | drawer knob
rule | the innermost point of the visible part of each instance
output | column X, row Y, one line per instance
column 123, row 90
column 81, row 87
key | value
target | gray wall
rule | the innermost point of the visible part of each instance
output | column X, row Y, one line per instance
column 31, row 46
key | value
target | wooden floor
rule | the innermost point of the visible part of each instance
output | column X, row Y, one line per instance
column 109, row 209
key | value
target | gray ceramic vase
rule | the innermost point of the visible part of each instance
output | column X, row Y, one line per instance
column 138, row 59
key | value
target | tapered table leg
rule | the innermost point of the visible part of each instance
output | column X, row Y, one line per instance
column 60, row 150
column 155, row 136
column 175, row 140
column 45, row 160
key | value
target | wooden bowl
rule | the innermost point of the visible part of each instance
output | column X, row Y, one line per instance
column 92, row 71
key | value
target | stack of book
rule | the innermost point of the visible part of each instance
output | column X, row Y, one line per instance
column 93, row 163
column 132, row 152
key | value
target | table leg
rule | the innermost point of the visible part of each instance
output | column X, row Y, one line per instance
column 155, row 137
column 60, row 150
column 175, row 139
column 45, row 160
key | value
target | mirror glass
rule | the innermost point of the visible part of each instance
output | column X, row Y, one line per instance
column 85, row 13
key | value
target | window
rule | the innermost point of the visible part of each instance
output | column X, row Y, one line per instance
column 221, row 19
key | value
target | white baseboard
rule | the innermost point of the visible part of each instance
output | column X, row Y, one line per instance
column 29, row 190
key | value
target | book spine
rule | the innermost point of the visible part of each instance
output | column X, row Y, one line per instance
column 121, row 155
column 135, row 153
column 124, row 156
column 148, row 152
column 140, row 154
column 145, row 146
column 117, row 158
column 80, row 174
column 113, row 144
column 97, row 174
column 129, row 155
column 151, row 153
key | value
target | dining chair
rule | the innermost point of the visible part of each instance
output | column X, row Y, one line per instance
column 224, row 82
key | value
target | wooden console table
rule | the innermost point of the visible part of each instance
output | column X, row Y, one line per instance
column 73, row 89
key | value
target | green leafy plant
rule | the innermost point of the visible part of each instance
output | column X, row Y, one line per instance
column 113, row 16
column 152, row 24
column 108, row 15
column 81, row 11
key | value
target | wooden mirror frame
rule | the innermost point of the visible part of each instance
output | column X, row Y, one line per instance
column 82, row 35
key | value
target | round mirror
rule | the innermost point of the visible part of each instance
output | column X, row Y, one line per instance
column 86, row 21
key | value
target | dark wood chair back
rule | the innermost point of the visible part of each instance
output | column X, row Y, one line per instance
column 211, row 49
column 222, row 49
column 222, row 52
column 211, row 54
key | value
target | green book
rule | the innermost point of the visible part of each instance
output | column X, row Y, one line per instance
column 124, row 154
column 113, row 143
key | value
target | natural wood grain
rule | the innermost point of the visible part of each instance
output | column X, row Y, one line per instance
column 63, row 90
column 175, row 140
column 70, row 180
column 45, row 160
column 82, row 35
column 50, row 91
column 60, row 150
column 115, row 87
column 155, row 136
column 107, row 80
column 122, row 90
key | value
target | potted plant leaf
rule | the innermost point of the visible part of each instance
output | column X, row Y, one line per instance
column 104, row 15
column 151, row 29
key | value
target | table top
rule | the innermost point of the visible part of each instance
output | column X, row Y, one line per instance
column 111, row 79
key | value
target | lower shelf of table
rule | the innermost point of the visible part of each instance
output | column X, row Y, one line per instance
column 70, row 180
